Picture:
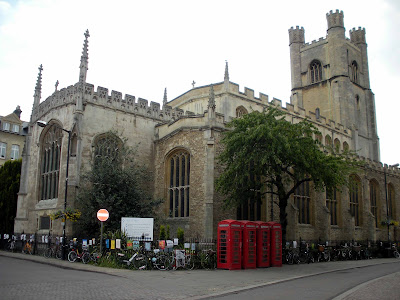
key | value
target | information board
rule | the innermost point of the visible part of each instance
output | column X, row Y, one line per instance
column 139, row 229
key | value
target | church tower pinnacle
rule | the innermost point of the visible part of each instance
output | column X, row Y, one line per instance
column 84, row 59
column 38, row 88
column 165, row 97
column 226, row 77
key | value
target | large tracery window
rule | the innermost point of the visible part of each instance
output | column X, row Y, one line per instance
column 178, row 180
column 373, row 191
column 50, row 163
column 251, row 208
column 302, row 201
column 355, row 199
column 315, row 71
column 332, row 203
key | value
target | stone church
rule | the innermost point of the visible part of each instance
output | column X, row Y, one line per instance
column 180, row 142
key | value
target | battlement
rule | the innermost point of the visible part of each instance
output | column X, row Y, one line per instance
column 357, row 36
column 314, row 43
column 379, row 166
column 296, row 35
column 101, row 97
column 335, row 19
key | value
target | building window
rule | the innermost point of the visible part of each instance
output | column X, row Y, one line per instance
column 315, row 71
column 317, row 113
column 354, row 71
column 6, row 126
column 106, row 145
column 346, row 146
column 337, row 145
column 328, row 141
column 178, row 180
column 355, row 199
column 241, row 111
column 50, row 163
column 251, row 208
column 332, row 202
column 3, row 150
column 391, row 202
column 14, row 152
column 373, row 194
column 44, row 223
column 302, row 201
column 15, row 128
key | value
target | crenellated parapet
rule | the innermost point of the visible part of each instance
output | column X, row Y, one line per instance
column 296, row 35
column 318, row 120
column 357, row 36
column 115, row 100
column 335, row 19
column 381, row 167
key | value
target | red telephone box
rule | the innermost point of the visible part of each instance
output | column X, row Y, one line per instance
column 229, row 245
column 263, row 244
column 249, row 257
column 276, row 244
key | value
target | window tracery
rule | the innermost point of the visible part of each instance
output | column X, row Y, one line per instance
column 178, row 182
column 315, row 71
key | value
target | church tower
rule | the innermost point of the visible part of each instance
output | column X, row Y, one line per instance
column 330, row 77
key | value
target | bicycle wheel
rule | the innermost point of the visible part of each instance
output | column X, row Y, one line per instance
column 140, row 262
column 48, row 253
column 85, row 257
column 303, row 257
column 72, row 256
column 396, row 254
column 59, row 254
column 160, row 262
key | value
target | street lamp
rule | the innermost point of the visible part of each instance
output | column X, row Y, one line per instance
column 44, row 124
column 387, row 203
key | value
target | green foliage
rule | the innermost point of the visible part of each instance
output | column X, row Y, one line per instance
column 180, row 233
column 69, row 214
column 168, row 232
column 10, row 174
column 162, row 232
column 263, row 151
column 115, row 182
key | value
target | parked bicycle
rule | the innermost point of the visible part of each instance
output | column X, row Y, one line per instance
column 75, row 254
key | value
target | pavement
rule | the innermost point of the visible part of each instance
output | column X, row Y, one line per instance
column 209, row 284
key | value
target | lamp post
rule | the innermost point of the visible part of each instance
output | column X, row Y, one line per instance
column 386, row 197
column 44, row 124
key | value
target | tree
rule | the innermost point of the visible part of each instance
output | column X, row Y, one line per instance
column 115, row 182
column 264, row 153
column 10, row 174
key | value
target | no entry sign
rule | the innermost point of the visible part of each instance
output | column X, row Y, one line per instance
column 102, row 215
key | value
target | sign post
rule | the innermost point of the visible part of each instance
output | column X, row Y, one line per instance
column 102, row 215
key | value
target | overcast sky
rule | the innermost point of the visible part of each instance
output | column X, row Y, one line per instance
column 141, row 47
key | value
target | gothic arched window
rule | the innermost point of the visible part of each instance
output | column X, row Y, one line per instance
column 332, row 203
column 241, row 111
column 328, row 141
column 355, row 199
column 178, row 183
column 107, row 145
column 374, row 199
column 315, row 71
column 302, row 200
column 354, row 71
column 50, row 162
